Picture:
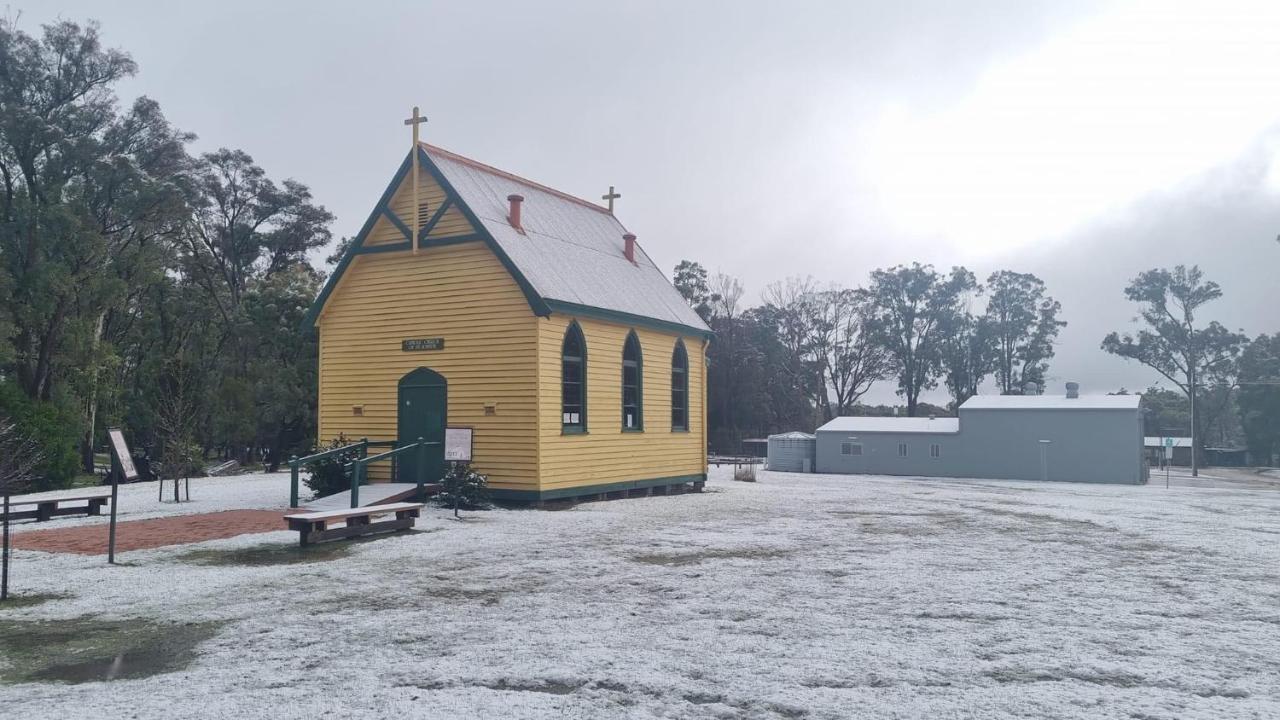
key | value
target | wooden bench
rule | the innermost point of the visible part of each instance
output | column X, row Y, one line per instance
column 47, row 507
column 314, row 527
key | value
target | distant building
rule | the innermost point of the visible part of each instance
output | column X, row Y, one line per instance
column 1017, row 437
column 1154, row 448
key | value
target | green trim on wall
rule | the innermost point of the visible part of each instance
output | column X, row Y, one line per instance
column 425, row 230
column 395, row 220
column 536, row 495
column 313, row 313
column 387, row 247
column 622, row 318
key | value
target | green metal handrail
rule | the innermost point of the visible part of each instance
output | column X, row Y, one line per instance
column 296, row 463
column 360, row 467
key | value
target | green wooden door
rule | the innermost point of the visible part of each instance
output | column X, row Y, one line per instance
column 423, row 413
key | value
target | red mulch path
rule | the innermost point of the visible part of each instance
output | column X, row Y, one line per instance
column 145, row 534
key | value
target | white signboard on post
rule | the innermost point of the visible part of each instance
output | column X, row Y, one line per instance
column 457, row 444
column 122, row 453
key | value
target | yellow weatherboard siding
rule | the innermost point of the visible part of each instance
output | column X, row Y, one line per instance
column 463, row 294
column 605, row 453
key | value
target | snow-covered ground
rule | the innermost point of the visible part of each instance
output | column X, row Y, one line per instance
column 800, row 596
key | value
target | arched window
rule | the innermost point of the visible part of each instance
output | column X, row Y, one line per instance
column 573, row 381
column 632, row 384
column 679, row 387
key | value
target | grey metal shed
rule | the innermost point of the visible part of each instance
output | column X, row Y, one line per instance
column 792, row 452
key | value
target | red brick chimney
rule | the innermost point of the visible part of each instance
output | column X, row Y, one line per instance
column 514, row 217
column 629, row 248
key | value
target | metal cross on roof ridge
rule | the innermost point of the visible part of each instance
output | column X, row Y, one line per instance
column 414, row 122
column 610, row 197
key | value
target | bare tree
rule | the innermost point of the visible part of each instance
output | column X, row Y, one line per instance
column 19, row 456
column 854, row 359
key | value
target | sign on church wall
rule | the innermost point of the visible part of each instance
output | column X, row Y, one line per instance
column 457, row 444
column 419, row 344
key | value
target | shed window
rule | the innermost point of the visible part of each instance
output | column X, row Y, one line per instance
column 573, row 381
column 849, row 448
column 935, row 450
column 902, row 449
column 679, row 388
column 632, row 384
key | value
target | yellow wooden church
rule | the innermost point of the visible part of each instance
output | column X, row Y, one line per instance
column 474, row 298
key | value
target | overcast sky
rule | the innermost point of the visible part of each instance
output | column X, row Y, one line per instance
column 1082, row 141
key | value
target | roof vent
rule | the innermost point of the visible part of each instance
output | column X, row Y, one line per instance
column 629, row 248
column 1073, row 390
column 514, row 216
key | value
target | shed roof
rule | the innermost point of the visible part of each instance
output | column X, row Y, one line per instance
column 570, row 250
column 1052, row 402
column 892, row 425
column 793, row 435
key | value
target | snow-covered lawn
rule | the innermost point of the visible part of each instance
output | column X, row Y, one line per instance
column 800, row 596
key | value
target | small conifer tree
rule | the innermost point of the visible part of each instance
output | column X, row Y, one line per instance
column 463, row 487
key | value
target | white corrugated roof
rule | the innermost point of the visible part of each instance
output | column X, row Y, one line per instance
column 1154, row 442
column 1052, row 402
column 892, row 425
column 570, row 250
column 793, row 435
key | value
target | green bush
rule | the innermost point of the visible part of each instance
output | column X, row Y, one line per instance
column 328, row 476
column 463, row 488
column 53, row 427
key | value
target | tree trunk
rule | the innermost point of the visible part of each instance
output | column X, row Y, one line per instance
column 91, row 405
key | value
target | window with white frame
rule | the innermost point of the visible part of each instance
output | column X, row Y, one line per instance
column 902, row 449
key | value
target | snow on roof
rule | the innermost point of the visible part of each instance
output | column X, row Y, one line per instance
column 1154, row 442
column 793, row 435
column 1052, row 402
column 571, row 249
column 892, row 425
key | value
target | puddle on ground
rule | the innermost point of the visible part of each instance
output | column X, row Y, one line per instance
column 14, row 602
column 89, row 649
column 697, row 557
column 283, row 553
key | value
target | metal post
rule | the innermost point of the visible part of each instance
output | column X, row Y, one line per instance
column 4, row 573
column 111, row 535
column 293, row 481
column 422, row 467
column 357, row 470
column 1195, row 436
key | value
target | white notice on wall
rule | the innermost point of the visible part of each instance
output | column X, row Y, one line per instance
column 457, row 444
column 122, row 453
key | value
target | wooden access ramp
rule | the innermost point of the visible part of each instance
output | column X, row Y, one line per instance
column 371, row 494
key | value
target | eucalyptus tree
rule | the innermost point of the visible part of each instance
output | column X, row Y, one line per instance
column 1023, row 323
column 913, row 310
column 1174, row 343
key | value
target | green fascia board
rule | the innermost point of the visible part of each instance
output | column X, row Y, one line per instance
column 568, row 308
column 540, row 306
column 536, row 495
column 536, row 302
column 429, row 242
column 313, row 313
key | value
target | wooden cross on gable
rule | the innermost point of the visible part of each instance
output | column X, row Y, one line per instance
column 414, row 122
column 610, row 197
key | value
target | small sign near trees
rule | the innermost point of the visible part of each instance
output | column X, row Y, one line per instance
column 121, row 451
